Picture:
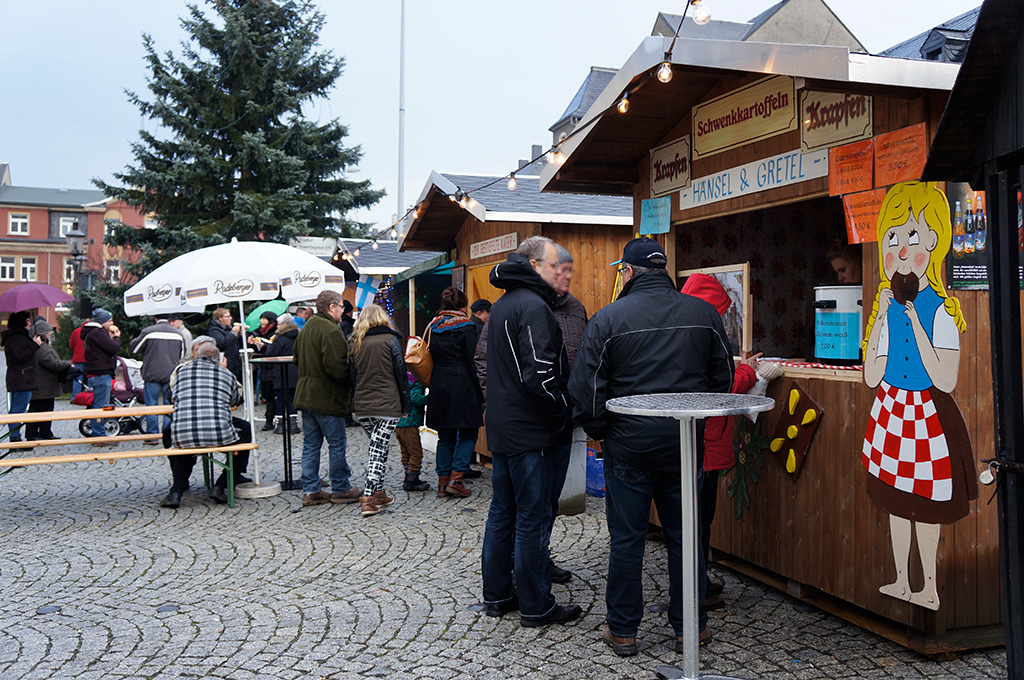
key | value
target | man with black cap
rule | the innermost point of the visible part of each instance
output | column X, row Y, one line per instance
column 481, row 309
column 651, row 340
column 102, row 340
column 162, row 348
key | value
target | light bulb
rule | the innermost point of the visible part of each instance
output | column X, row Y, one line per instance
column 463, row 201
column 512, row 183
column 394, row 233
column 552, row 156
column 665, row 72
column 451, row 197
column 375, row 246
column 356, row 254
column 702, row 15
column 623, row 104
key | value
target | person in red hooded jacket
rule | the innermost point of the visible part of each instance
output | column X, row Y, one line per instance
column 718, row 451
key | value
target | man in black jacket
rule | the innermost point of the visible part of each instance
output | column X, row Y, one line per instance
column 651, row 340
column 528, row 434
column 102, row 341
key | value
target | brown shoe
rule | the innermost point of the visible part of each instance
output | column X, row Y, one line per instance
column 455, row 486
column 704, row 637
column 368, row 505
column 318, row 498
column 349, row 496
column 442, row 484
column 621, row 646
column 382, row 499
column 712, row 602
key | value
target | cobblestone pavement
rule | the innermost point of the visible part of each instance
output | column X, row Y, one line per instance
column 270, row 590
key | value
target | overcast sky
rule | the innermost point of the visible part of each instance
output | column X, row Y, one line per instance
column 484, row 80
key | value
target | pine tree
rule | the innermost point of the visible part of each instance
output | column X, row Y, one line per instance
column 234, row 155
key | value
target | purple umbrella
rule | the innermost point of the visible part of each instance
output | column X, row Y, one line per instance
column 31, row 296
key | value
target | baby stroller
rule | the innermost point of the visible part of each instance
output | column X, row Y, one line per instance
column 126, row 391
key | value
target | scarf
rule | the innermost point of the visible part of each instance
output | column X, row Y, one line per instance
column 449, row 320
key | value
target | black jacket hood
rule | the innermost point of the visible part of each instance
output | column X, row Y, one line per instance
column 517, row 272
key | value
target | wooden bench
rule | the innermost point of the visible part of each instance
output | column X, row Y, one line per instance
column 207, row 453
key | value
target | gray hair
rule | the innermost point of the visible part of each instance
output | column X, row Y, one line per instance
column 209, row 351
column 563, row 254
column 326, row 298
column 285, row 318
column 637, row 270
column 534, row 247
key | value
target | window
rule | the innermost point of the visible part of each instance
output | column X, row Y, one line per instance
column 28, row 269
column 67, row 224
column 114, row 271
column 17, row 223
column 6, row 269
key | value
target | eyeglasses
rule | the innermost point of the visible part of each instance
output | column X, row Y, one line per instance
column 550, row 264
column 622, row 268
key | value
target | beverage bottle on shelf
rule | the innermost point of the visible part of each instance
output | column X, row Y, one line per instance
column 969, row 229
column 958, row 233
column 980, row 223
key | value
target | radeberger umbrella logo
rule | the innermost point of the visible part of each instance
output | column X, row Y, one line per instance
column 310, row 280
column 159, row 294
column 235, row 289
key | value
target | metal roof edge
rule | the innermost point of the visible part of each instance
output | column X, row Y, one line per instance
column 557, row 217
column 897, row 72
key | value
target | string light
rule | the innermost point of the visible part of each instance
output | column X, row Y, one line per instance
column 512, row 182
column 702, row 15
column 356, row 254
column 374, row 245
column 383, row 296
column 394, row 233
column 665, row 72
column 623, row 104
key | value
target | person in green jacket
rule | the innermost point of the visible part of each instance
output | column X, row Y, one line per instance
column 322, row 395
column 408, row 434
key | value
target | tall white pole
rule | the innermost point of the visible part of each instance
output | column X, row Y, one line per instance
column 401, row 119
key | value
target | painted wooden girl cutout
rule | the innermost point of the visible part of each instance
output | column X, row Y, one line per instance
column 916, row 449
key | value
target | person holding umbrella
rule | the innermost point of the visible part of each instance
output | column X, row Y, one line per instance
column 20, row 350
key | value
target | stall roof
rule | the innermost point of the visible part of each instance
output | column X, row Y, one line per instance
column 604, row 153
column 386, row 260
column 439, row 219
column 971, row 131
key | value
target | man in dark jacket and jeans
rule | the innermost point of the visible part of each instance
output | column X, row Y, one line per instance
column 651, row 340
column 162, row 348
column 528, row 434
column 101, row 346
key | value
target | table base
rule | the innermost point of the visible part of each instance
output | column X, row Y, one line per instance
column 673, row 673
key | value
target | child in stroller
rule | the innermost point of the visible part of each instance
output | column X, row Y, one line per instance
column 127, row 390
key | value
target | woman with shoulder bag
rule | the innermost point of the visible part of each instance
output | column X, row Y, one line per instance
column 50, row 368
column 455, row 402
column 22, row 366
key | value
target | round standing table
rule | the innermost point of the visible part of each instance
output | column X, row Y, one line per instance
column 687, row 407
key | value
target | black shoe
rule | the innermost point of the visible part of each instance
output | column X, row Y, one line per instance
column 712, row 602
column 171, row 500
column 559, row 614
column 715, row 588
column 269, row 425
column 280, row 428
column 414, row 483
column 559, row 575
column 472, row 474
column 219, row 494
column 242, row 480
column 500, row 610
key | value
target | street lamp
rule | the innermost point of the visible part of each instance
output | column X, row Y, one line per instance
column 76, row 255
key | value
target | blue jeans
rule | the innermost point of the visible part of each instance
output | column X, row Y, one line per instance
column 19, row 404
column 315, row 428
column 455, row 449
column 152, row 393
column 100, row 385
column 519, row 529
column 78, row 383
column 628, row 510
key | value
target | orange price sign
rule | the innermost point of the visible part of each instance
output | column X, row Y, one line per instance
column 861, row 212
column 849, row 168
column 900, row 155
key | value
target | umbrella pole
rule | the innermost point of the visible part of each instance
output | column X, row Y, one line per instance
column 247, row 391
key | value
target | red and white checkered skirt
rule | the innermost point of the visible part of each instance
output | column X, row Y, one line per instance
column 905, row 446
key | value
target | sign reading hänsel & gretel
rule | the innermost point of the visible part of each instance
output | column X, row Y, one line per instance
column 493, row 246
column 750, row 178
column 670, row 167
column 828, row 119
column 756, row 111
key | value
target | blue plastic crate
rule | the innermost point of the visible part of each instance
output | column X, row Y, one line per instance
column 595, row 474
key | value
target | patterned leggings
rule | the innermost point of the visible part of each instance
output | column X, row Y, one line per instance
column 379, row 430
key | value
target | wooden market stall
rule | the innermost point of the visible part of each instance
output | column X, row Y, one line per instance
column 481, row 230
column 755, row 148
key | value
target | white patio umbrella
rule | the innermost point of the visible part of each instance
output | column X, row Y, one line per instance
column 233, row 272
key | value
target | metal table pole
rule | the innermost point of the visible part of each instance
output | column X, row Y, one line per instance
column 686, row 407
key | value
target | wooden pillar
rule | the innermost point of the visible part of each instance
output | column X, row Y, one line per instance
column 412, row 306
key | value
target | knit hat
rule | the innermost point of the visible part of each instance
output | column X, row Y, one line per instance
column 101, row 316
column 480, row 306
column 708, row 289
column 42, row 328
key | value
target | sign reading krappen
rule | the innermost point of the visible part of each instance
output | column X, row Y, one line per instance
column 493, row 246
column 670, row 167
column 752, row 113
